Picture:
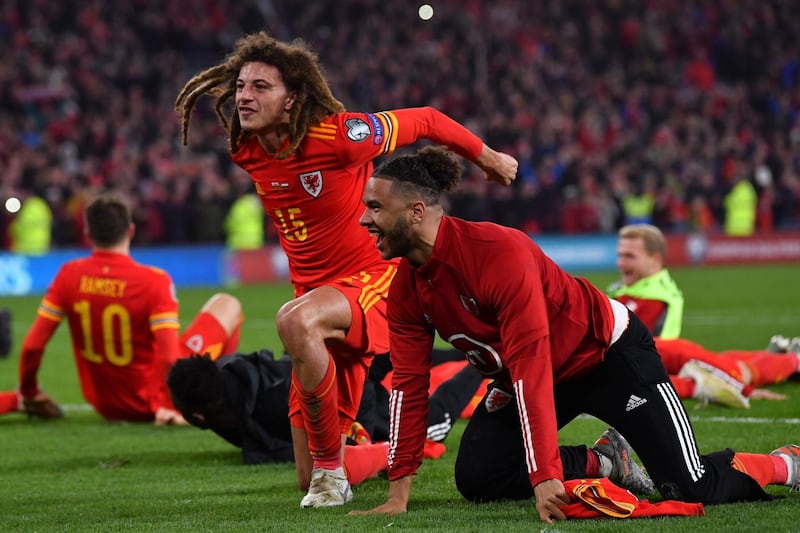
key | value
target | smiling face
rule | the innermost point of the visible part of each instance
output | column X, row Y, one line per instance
column 633, row 261
column 262, row 99
column 387, row 217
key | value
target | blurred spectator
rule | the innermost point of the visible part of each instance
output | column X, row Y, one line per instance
column 740, row 208
column 244, row 223
column 31, row 228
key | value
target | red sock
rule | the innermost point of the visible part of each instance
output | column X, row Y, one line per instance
column 592, row 464
column 684, row 386
column 9, row 402
column 365, row 461
column 320, row 409
column 765, row 469
column 766, row 367
column 232, row 342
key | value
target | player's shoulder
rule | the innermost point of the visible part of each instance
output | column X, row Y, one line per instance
column 489, row 235
column 153, row 274
column 156, row 271
column 354, row 127
column 75, row 266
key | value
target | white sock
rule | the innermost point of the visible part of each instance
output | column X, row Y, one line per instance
column 789, row 469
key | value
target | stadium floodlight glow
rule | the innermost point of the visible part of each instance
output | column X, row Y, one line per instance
column 425, row 11
column 13, row 204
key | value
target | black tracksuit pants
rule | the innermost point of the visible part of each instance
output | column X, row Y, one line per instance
column 631, row 391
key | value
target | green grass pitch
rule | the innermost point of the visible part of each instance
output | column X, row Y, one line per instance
column 84, row 474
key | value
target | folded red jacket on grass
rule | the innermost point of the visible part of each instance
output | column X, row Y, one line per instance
column 600, row 498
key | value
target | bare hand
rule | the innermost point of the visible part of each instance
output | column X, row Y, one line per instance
column 165, row 416
column 389, row 508
column 42, row 406
column 396, row 503
column 550, row 496
column 499, row 167
column 765, row 394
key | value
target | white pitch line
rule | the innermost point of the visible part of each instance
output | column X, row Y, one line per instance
column 746, row 420
column 735, row 419
column 76, row 407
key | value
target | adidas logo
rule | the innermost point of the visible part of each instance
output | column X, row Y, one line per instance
column 634, row 402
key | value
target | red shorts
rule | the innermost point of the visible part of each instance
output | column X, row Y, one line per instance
column 204, row 335
column 368, row 335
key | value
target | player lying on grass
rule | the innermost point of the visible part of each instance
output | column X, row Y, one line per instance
column 123, row 323
column 555, row 345
column 647, row 288
column 248, row 397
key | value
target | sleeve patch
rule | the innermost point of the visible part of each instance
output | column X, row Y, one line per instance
column 377, row 127
column 357, row 129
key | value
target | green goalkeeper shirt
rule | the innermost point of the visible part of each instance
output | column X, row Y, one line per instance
column 656, row 300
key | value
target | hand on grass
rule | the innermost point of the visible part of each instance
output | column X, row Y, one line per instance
column 165, row 417
column 765, row 394
column 41, row 406
column 550, row 496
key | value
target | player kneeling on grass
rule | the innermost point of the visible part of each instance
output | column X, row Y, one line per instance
column 555, row 344
column 244, row 398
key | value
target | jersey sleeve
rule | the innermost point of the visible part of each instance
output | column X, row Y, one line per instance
column 651, row 312
column 382, row 133
column 48, row 317
column 30, row 358
column 517, row 296
column 410, row 345
column 164, row 326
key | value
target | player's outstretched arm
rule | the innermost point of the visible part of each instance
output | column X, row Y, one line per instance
column 397, row 503
column 498, row 166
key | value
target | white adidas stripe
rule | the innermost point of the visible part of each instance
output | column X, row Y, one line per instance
column 395, row 407
column 439, row 431
column 527, row 435
column 680, row 421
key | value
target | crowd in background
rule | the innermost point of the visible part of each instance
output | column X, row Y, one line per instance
column 617, row 110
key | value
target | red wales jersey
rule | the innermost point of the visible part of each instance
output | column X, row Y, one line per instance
column 651, row 312
column 314, row 196
column 492, row 293
column 116, row 309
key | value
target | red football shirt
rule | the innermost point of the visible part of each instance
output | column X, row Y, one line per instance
column 492, row 293
column 123, row 321
column 314, row 196
column 651, row 312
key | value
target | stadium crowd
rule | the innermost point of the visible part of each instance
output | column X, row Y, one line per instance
column 618, row 111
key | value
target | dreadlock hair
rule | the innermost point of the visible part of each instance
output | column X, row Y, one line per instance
column 108, row 218
column 301, row 72
column 195, row 382
column 428, row 173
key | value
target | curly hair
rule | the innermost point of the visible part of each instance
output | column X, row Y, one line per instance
column 301, row 72
column 194, row 383
column 427, row 173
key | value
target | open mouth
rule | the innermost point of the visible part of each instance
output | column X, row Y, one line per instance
column 378, row 234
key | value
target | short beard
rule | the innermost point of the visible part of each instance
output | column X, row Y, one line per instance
column 399, row 240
